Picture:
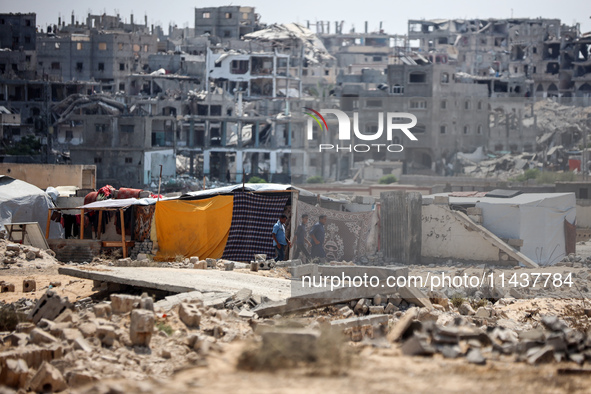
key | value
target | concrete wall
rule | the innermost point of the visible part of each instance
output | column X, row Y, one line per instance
column 45, row 175
column 583, row 213
column 444, row 236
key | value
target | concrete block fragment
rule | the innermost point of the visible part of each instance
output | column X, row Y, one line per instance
column 25, row 327
column 6, row 287
column 67, row 316
column 376, row 310
column 403, row 324
column 102, row 310
column 474, row 356
column 80, row 378
column 17, row 339
column 415, row 296
column 391, row 308
column 15, row 373
column 194, row 260
column 246, row 314
column 543, row 355
column 466, row 309
column 48, row 379
column 106, row 334
column 13, row 247
column 417, row 346
column 228, row 266
column 190, row 314
column 346, row 312
column 371, row 320
column 123, row 303
column 200, row 265
column 30, row 255
column 141, row 327
column 81, row 344
column 378, row 299
column 39, row 337
column 29, row 285
column 254, row 266
column 146, row 302
column 49, row 306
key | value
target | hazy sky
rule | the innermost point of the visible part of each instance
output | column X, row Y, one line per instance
column 393, row 14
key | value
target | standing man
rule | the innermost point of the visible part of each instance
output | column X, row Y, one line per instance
column 279, row 241
column 300, row 240
column 317, row 236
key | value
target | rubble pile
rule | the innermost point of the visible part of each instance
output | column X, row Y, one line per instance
column 123, row 338
column 19, row 255
column 552, row 340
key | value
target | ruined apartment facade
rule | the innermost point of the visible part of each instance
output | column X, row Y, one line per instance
column 516, row 57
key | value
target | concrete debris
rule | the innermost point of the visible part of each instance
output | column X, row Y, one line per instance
column 49, row 306
column 29, row 285
column 123, row 303
column 48, row 379
column 190, row 314
column 141, row 327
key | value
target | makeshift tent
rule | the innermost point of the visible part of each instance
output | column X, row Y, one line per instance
column 193, row 228
column 22, row 202
column 536, row 218
column 253, row 218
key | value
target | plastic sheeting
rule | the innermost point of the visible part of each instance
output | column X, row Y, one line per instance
column 22, row 202
column 193, row 228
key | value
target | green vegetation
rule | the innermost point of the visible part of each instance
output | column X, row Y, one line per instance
column 546, row 177
column 161, row 326
column 315, row 179
column 256, row 179
column 388, row 179
column 457, row 300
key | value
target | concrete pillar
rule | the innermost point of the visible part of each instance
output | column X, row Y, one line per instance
column 206, row 155
column 273, row 162
column 192, row 132
column 256, row 134
column 400, row 226
column 239, row 167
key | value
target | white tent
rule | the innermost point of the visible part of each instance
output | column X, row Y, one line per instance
column 536, row 218
column 22, row 202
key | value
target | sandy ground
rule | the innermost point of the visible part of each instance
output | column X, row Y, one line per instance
column 373, row 370
column 73, row 288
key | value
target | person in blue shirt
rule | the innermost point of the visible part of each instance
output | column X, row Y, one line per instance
column 280, row 242
column 317, row 235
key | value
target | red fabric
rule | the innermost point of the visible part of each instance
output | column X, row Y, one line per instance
column 128, row 193
column 90, row 197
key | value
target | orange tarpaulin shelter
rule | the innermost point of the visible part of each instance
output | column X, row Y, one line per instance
column 193, row 227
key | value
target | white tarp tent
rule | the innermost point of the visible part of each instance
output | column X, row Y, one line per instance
column 536, row 218
column 22, row 202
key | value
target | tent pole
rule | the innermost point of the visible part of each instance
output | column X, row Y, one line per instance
column 123, row 234
column 82, row 224
column 48, row 222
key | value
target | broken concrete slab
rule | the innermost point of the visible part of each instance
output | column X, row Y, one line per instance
column 15, row 373
column 405, row 321
column 417, row 346
column 371, row 320
column 415, row 296
column 176, row 281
